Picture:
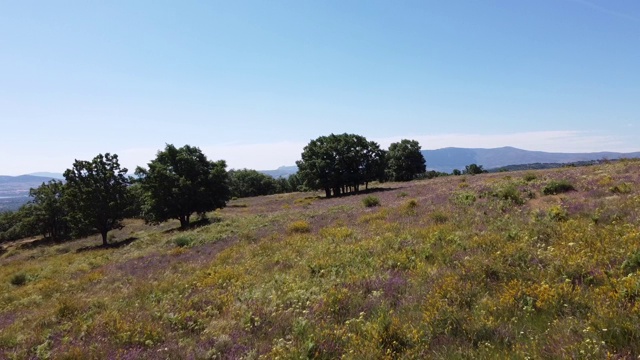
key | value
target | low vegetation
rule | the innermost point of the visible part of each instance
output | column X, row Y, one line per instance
column 486, row 266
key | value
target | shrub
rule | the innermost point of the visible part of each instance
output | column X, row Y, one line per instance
column 511, row 193
column 464, row 198
column 299, row 227
column 557, row 187
column 558, row 213
column 410, row 206
column 19, row 279
column 182, row 241
column 622, row 188
column 439, row 217
column 371, row 201
column 528, row 177
column 632, row 263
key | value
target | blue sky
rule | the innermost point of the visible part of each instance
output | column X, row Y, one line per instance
column 252, row 82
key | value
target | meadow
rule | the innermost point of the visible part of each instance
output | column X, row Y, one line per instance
column 523, row 265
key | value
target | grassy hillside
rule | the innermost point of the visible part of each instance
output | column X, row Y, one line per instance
column 483, row 266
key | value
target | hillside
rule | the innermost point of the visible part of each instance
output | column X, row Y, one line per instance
column 486, row 266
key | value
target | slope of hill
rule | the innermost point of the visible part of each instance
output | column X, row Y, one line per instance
column 447, row 159
column 487, row 266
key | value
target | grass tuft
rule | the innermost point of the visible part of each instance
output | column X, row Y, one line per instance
column 371, row 201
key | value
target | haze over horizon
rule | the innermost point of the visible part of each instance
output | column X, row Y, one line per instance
column 252, row 82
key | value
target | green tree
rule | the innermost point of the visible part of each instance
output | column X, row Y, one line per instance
column 50, row 210
column 245, row 182
column 473, row 169
column 294, row 183
column 340, row 163
column 18, row 224
column 181, row 181
column 97, row 193
column 405, row 161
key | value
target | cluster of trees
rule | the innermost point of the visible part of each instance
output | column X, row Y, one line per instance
column 340, row 164
column 471, row 169
column 97, row 195
column 247, row 182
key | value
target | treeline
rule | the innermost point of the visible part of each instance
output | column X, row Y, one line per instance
column 180, row 182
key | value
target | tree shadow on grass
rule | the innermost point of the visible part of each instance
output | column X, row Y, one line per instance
column 361, row 192
column 194, row 225
column 114, row 245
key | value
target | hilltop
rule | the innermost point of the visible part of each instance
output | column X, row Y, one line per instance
column 540, row 264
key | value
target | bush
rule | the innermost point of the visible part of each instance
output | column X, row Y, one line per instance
column 410, row 207
column 511, row 193
column 439, row 217
column 558, row 213
column 371, row 201
column 623, row 188
column 557, row 187
column 632, row 263
column 299, row 227
column 182, row 241
column 19, row 279
column 528, row 177
column 464, row 198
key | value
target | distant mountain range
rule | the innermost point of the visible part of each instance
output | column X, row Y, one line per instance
column 448, row 159
column 14, row 190
column 282, row 171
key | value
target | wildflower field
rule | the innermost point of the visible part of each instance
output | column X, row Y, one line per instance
column 532, row 264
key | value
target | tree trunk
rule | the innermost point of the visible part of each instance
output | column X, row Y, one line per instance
column 184, row 221
column 327, row 192
column 104, row 238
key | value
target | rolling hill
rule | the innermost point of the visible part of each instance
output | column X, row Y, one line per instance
column 490, row 266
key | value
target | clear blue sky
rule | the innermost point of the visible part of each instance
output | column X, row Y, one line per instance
column 252, row 82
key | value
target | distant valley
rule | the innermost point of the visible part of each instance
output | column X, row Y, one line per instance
column 14, row 190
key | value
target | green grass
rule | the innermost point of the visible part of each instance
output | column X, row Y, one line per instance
column 485, row 270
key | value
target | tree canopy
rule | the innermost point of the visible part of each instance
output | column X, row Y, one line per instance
column 405, row 161
column 473, row 169
column 98, row 190
column 181, row 181
column 50, row 210
column 340, row 163
column 246, row 182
